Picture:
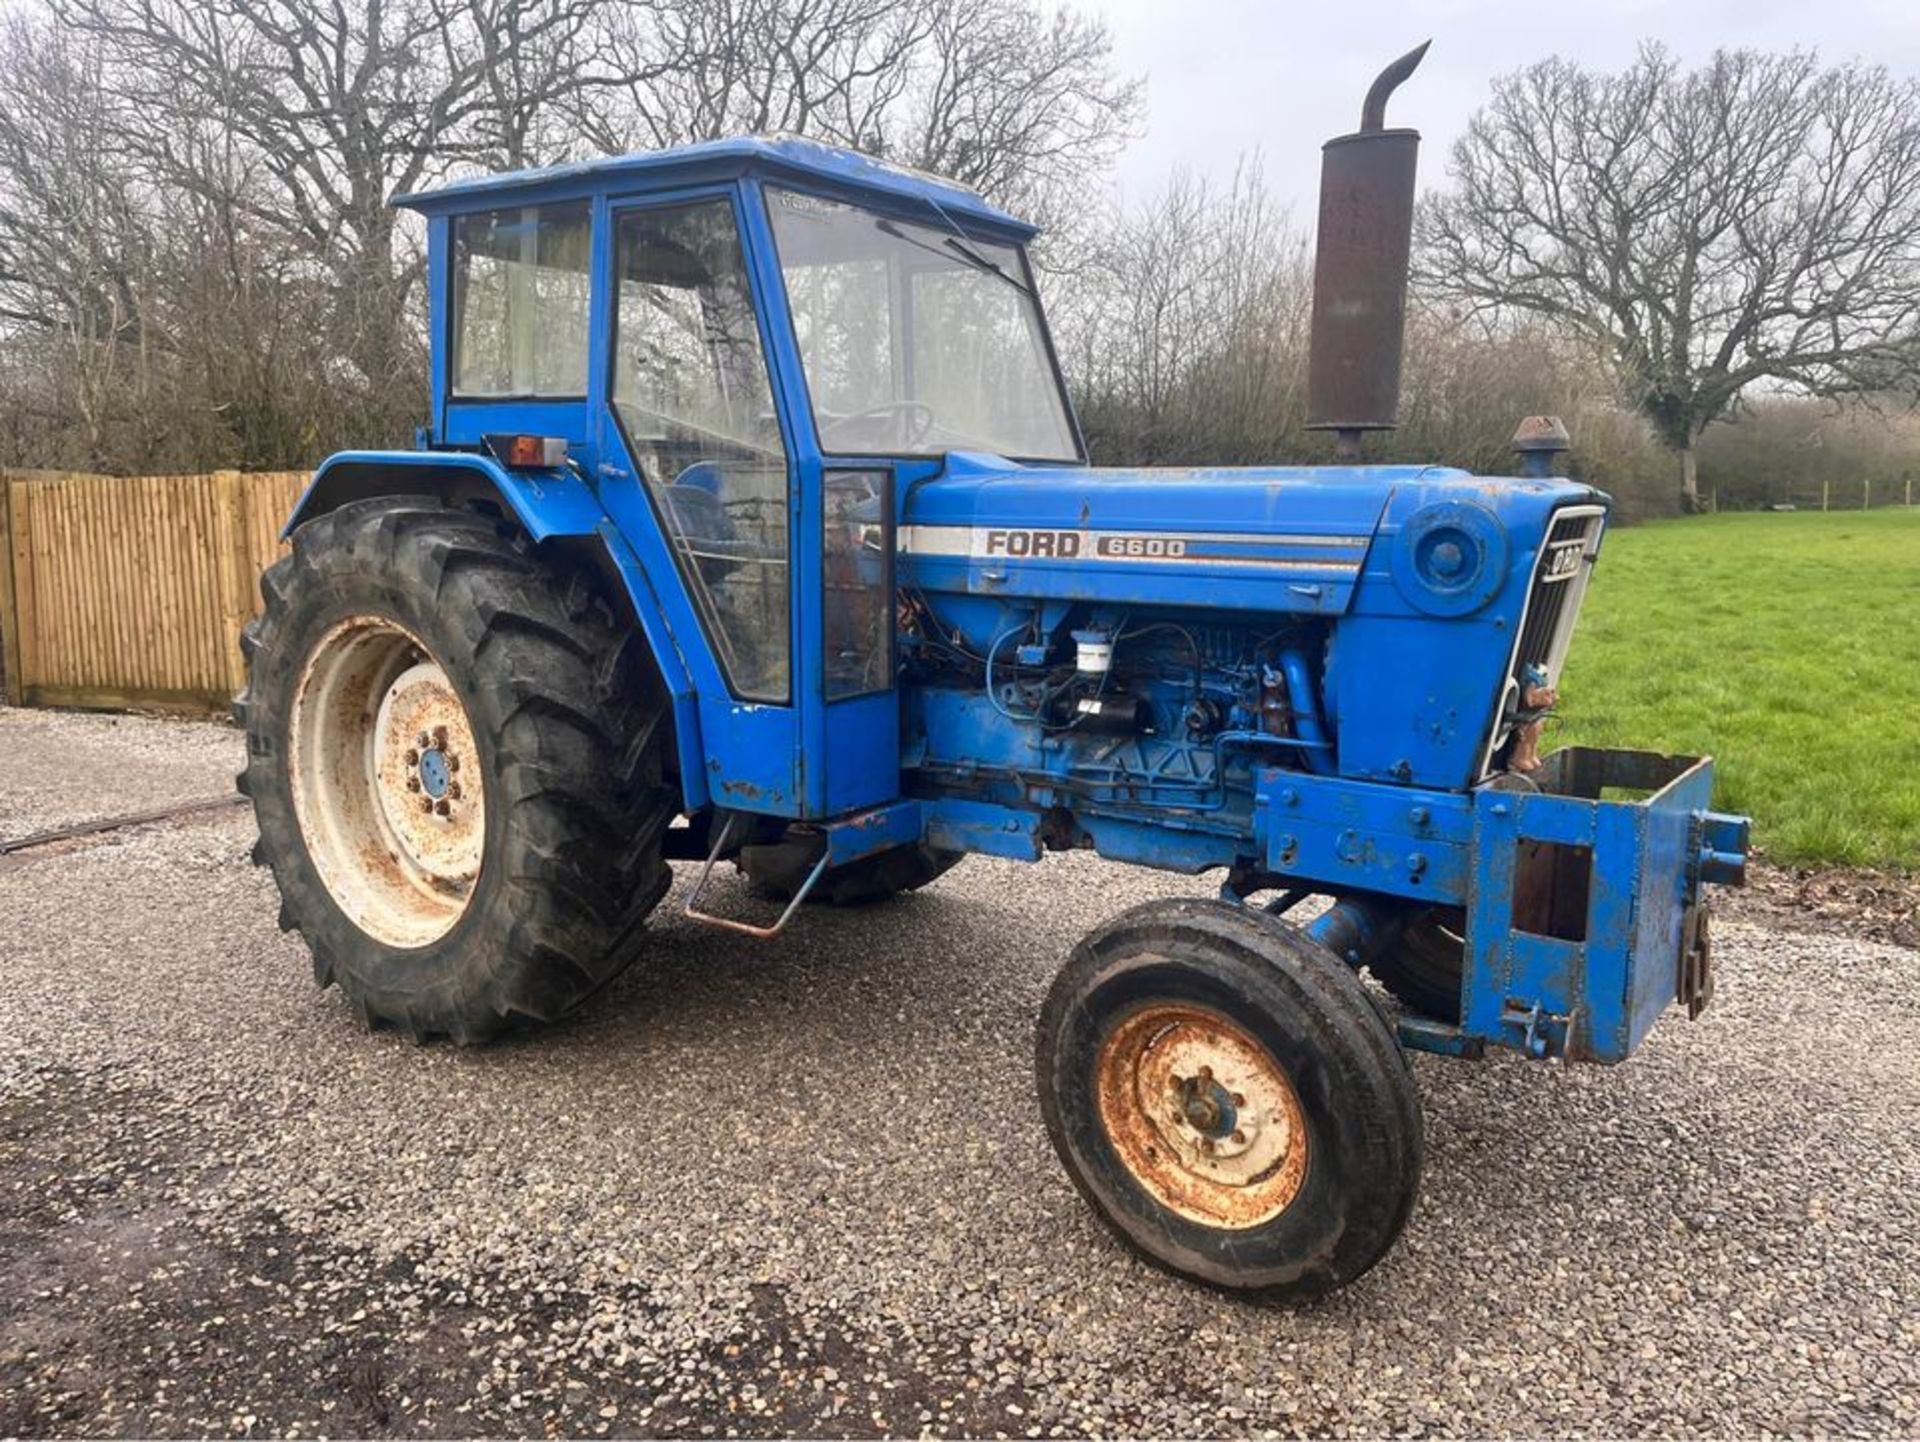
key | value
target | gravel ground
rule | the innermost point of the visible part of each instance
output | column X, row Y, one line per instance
column 58, row 768
column 803, row 1187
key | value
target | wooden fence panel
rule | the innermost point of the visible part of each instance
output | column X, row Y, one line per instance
column 131, row 592
column 269, row 501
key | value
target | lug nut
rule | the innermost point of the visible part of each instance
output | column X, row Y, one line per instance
column 1239, row 1100
column 453, row 762
column 439, row 736
column 1239, row 1137
column 413, row 757
column 426, row 803
column 423, row 740
column 453, row 790
column 441, row 807
column 413, row 783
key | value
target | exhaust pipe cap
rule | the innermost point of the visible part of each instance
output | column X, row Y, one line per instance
column 1537, row 441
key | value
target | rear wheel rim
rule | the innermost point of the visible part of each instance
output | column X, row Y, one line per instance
column 1201, row 1115
column 386, row 783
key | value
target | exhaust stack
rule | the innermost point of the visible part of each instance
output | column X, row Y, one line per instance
column 1360, row 270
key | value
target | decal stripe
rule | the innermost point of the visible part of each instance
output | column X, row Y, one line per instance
column 1280, row 551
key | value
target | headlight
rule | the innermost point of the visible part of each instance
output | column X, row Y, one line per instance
column 1451, row 558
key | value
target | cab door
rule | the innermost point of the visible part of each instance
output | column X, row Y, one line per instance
column 845, row 525
column 695, row 468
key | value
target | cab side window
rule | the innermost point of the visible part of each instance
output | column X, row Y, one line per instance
column 691, row 390
column 521, row 302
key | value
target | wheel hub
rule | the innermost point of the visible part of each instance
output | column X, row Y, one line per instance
column 1202, row 1115
column 385, row 787
column 1206, row 1107
column 434, row 773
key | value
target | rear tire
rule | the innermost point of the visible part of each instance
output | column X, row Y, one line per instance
column 525, row 892
column 775, row 873
column 1224, row 1094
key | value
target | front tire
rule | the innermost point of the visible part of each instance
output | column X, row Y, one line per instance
column 456, row 753
column 1223, row 1092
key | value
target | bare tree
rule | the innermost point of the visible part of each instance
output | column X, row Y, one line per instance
column 142, row 327
column 77, row 254
column 1757, row 220
column 1185, row 326
column 1022, row 106
column 331, row 110
column 1186, row 334
column 682, row 71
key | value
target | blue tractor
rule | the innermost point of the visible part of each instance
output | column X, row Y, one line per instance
column 753, row 524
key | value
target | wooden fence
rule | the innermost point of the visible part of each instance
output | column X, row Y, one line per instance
column 121, row 593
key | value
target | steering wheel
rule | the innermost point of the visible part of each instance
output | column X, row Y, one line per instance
column 918, row 416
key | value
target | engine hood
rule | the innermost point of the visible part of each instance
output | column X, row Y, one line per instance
column 1268, row 538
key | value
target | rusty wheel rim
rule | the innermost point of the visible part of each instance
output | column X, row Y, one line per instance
column 1202, row 1116
column 386, row 782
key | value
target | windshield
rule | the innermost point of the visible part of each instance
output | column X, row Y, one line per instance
column 916, row 339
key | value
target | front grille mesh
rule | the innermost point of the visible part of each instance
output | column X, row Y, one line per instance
column 1552, row 594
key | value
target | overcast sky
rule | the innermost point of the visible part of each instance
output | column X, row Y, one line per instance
column 1225, row 76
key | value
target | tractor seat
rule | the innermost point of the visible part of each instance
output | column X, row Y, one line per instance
column 700, row 518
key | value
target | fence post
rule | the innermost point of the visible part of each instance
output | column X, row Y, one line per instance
column 1866, row 493
column 235, row 571
column 1824, row 486
column 11, row 669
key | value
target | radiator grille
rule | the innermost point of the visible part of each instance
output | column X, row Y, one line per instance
column 1555, row 590
column 1553, row 605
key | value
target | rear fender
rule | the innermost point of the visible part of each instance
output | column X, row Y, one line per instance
column 550, row 505
column 546, row 503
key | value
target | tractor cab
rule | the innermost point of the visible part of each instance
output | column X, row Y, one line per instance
column 746, row 350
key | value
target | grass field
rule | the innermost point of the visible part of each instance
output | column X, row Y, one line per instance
column 1788, row 647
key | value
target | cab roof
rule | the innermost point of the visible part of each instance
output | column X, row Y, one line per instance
column 773, row 157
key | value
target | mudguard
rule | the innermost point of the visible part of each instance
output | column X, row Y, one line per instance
column 546, row 503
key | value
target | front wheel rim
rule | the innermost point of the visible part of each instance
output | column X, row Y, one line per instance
column 386, row 781
column 1201, row 1115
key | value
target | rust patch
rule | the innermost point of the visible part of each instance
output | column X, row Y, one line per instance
column 1202, row 1116
column 442, row 836
column 384, row 772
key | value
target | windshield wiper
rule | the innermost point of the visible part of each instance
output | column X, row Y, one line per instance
column 959, row 245
column 966, row 252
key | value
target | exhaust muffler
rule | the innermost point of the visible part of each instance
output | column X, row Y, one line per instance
column 1360, row 270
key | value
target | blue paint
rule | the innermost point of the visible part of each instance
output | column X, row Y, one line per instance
column 786, row 159
column 434, row 774
column 1355, row 928
column 865, row 833
column 1210, row 1111
column 1315, row 675
column 1305, row 700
